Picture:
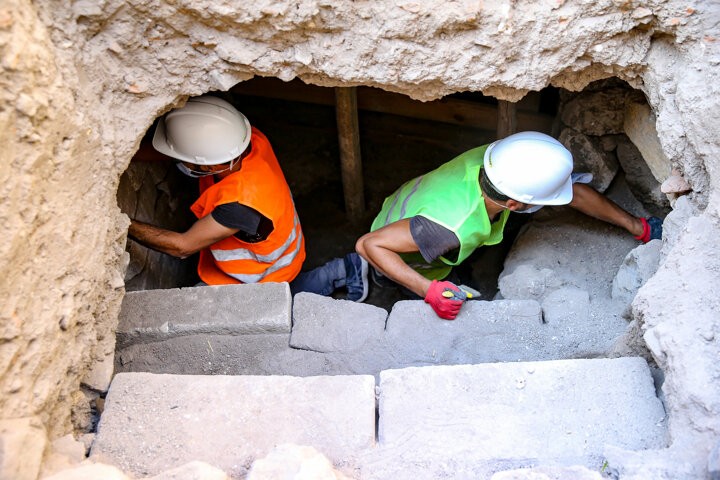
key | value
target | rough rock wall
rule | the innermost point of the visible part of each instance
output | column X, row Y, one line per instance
column 63, row 235
column 83, row 81
column 157, row 193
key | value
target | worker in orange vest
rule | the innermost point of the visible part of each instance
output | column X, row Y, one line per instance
column 247, row 230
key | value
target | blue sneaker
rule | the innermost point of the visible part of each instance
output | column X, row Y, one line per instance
column 356, row 277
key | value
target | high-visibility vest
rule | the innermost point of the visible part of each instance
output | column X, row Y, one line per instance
column 260, row 185
column 450, row 196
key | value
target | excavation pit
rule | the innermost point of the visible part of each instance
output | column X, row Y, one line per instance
column 84, row 83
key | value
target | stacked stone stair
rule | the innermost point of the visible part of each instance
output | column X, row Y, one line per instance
column 496, row 389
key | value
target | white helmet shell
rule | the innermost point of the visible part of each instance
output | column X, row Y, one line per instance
column 206, row 131
column 530, row 167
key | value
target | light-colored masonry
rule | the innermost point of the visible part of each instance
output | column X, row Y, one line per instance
column 83, row 80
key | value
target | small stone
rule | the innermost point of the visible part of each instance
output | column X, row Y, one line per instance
column 135, row 88
column 675, row 183
column 641, row 12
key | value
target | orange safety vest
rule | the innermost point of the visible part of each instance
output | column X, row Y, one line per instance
column 261, row 185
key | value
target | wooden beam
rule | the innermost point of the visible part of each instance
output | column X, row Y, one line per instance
column 507, row 119
column 454, row 111
column 350, row 160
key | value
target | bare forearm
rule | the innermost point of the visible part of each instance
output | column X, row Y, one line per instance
column 393, row 267
column 596, row 205
column 160, row 239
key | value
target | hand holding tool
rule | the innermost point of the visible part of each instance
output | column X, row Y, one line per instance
column 445, row 298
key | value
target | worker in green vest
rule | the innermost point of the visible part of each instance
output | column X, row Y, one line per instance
column 435, row 221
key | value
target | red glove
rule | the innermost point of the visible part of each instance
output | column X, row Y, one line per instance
column 445, row 298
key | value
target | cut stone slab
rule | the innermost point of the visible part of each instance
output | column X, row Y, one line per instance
column 640, row 179
column 561, row 411
column 590, row 157
column 153, row 423
column 202, row 354
column 640, row 125
column 153, row 315
column 323, row 324
column 485, row 332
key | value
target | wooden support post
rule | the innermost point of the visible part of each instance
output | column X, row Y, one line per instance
column 507, row 119
column 350, row 160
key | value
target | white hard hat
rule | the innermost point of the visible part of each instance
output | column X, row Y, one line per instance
column 530, row 167
column 206, row 131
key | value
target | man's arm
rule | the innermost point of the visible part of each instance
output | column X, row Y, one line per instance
column 590, row 202
column 202, row 234
column 381, row 249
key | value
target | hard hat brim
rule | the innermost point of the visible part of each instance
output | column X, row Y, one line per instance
column 161, row 144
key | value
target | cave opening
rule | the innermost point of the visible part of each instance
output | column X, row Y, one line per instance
column 400, row 138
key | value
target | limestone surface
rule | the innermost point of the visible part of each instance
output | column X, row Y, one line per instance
column 156, row 422
column 322, row 324
column 225, row 309
column 82, row 82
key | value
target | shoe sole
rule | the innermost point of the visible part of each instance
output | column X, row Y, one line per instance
column 364, row 277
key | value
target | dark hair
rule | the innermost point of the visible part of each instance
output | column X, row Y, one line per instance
column 489, row 189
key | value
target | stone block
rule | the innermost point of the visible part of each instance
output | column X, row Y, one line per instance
column 482, row 332
column 640, row 179
column 154, row 315
column 100, row 374
column 589, row 156
column 639, row 125
column 323, row 324
column 154, row 422
column 267, row 354
column 596, row 112
column 561, row 411
column 22, row 445
column 639, row 265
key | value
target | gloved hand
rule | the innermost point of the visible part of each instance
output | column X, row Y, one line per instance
column 445, row 298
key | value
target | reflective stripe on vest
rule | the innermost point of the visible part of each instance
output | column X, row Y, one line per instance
column 280, row 260
column 403, row 207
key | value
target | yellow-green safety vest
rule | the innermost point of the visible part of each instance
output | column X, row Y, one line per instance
column 449, row 196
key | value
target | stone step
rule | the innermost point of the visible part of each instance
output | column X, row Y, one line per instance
column 152, row 423
column 155, row 315
column 331, row 336
column 480, row 418
column 464, row 421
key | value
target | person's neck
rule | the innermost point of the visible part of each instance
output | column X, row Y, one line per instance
column 492, row 208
